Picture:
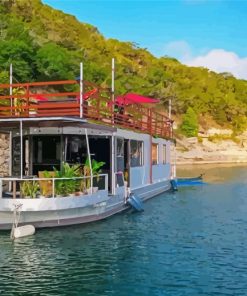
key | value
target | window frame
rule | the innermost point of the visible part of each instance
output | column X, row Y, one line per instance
column 157, row 153
column 140, row 150
column 164, row 156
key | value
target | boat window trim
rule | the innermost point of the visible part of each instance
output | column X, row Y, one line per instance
column 139, row 160
column 155, row 161
column 164, row 153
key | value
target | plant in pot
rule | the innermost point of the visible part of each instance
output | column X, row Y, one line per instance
column 66, row 187
column 96, row 170
column 46, row 186
column 80, row 186
column 29, row 189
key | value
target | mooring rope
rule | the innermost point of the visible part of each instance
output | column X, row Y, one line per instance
column 16, row 219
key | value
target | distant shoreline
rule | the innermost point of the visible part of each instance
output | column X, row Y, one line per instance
column 232, row 162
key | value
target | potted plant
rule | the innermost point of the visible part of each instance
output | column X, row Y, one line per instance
column 96, row 170
column 66, row 187
column 29, row 189
column 46, row 186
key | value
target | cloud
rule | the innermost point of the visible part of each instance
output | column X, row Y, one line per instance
column 179, row 49
column 217, row 60
column 220, row 60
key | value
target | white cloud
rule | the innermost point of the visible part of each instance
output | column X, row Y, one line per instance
column 178, row 49
column 217, row 60
column 220, row 60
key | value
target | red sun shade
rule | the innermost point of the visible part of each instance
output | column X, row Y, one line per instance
column 88, row 94
column 130, row 98
column 39, row 97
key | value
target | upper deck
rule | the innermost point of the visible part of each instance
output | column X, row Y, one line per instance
column 62, row 98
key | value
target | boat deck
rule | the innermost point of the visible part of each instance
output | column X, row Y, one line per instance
column 62, row 98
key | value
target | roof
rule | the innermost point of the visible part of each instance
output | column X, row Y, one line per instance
column 14, row 123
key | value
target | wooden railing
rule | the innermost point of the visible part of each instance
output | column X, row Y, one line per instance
column 61, row 98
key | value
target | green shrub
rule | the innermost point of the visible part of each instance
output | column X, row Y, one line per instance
column 189, row 126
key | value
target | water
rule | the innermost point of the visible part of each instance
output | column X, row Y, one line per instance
column 193, row 242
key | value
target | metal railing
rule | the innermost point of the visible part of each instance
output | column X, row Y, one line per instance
column 33, row 100
column 52, row 187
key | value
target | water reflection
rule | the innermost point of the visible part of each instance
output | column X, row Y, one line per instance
column 192, row 242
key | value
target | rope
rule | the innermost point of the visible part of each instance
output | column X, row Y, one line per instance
column 16, row 220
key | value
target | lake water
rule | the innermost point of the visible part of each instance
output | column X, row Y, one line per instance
column 192, row 242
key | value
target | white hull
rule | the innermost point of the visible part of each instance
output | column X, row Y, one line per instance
column 62, row 211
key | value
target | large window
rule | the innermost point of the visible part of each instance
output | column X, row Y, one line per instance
column 46, row 153
column 75, row 149
column 164, row 154
column 155, row 153
column 136, row 153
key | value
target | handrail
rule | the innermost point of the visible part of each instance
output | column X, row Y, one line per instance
column 54, row 179
column 47, row 179
column 96, row 107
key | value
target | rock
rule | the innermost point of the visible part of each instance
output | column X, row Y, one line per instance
column 4, row 155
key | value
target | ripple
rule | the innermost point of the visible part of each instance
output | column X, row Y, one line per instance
column 189, row 243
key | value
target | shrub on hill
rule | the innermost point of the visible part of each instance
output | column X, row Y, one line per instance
column 189, row 126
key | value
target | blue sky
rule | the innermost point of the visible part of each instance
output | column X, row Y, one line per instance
column 194, row 31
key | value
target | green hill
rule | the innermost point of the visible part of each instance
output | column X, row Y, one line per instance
column 47, row 44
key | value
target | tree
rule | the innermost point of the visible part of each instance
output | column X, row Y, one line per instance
column 189, row 126
column 21, row 55
column 55, row 63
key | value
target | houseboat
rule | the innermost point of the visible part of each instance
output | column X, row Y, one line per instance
column 77, row 152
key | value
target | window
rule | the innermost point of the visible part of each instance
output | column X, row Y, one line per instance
column 136, row 153
column 120, row 155
column 155, row 153
column 164, row 154
column 120, row 147
column 47, row 153
column 46, row 149
column 75, row 149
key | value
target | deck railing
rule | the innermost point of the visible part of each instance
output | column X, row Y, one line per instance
column 34, row 100
column 52, row 187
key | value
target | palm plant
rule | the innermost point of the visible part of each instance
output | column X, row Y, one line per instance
column 29, row 189
column 96, row 170
column 65, row 187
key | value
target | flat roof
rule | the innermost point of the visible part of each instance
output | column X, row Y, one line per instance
column 8, row 124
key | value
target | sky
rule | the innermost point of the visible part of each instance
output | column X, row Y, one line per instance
column 208, row 33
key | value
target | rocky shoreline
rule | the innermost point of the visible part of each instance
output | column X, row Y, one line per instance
column 214, row 149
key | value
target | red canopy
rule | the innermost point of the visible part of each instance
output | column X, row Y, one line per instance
column 87, row 95
column 39, row 97
column 131, row 98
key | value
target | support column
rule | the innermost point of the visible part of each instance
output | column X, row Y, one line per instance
column 113, row 89
column 21, row 149
column 10, row 159
column 113, row 176
column 81, row 90
column 10, row 86
column 89, row 160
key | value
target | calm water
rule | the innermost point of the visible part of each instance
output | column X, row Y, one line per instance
column 193, row 242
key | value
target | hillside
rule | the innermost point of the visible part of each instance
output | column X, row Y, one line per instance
column 47, row 44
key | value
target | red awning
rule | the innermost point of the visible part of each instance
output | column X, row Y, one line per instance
column 88, row 94
column 39, row 97
column 131, row 98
